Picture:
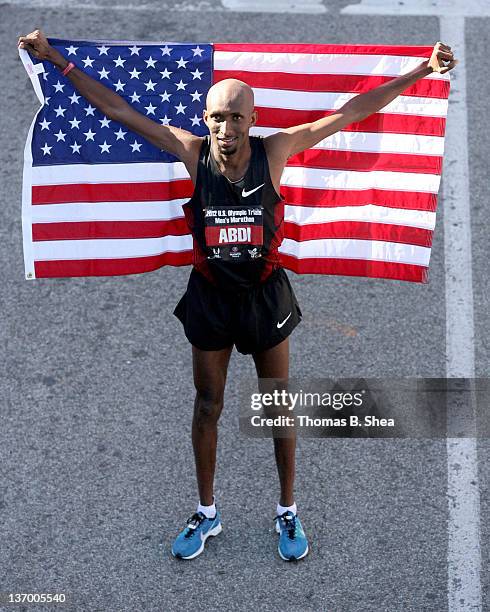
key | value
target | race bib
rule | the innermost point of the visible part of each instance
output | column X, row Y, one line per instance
column 234, row 234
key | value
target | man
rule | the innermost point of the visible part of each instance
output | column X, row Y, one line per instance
column 237, row 294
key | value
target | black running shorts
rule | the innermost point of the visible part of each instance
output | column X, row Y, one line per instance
column 253, row 320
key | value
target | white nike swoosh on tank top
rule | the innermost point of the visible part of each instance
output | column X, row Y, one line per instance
column 247, row 193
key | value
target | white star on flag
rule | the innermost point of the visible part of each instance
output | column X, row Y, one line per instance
column 181, row 62
column 103, row 50
column 134, row 73
column 165, row 96
column 150, row 85
column 75, row 147
column 88, row 61
column 104, row 122
column 89, row 110
column 166, row 50
column 119, row 86
column 136, row 146
column 58, row 86
column 72, row 49
column 150, row 62
column 150, row 109
column 198, row 51
column 135, row 97
column 74, row 123
column 46, row 150
column 74, row 98
column 180, row 108
column 103, row 73
column 104, row 148
column 60, row 111
column 166, row 74
column 89, row 135
column 60, row 136
column 45, row 124
column 119, row 61
column 120, row 134
column 135, row 50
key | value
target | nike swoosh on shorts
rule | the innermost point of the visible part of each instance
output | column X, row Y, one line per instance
column 279, row 325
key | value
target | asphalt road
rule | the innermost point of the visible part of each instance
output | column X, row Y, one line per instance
column 96, row 463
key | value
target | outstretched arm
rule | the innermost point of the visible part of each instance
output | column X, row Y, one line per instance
column 178, row 142
column 293, row 140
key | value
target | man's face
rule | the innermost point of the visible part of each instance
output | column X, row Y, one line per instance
column 229, row 122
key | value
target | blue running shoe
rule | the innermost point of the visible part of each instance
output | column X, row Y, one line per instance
column 190, row 542
column 292, row 540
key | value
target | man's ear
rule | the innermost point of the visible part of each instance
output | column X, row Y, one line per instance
column 205, row 116
column 254, row 117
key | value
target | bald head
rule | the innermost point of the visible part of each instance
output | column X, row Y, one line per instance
column 230, row 92
column 229, row 115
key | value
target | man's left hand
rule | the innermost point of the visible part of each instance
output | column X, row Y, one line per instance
column 442, row 58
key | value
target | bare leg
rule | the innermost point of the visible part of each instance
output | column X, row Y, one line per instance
column 274, row 363
column 210, row 368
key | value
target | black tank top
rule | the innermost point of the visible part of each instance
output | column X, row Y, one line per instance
column 237, row 227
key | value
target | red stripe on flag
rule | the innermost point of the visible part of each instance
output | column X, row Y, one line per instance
column 356, row 267
column 339, row 83
column 302, row 196
column 109, row 267
column 85, row 230
column 379, row 122
column 360, row 161
column 405, row 50
column 359, row 230
column 112, row 192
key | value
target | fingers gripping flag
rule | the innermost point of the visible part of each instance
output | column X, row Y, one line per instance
column 100, row 200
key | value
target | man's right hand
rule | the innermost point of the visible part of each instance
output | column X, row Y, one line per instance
column 37, row 45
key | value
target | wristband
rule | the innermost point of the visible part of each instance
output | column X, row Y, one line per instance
column 67, row 69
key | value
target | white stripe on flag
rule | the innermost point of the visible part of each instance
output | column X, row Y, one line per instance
column 108, row 173
column 108, row 211
column 319, row 178
column 303, row 215
column 319, row 63
column 166, row 211
column 318, row 100
column 110, row 248
column 372, row 142
column 374, row 250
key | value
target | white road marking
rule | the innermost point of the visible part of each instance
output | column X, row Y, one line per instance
column 464, row 552
column 202, row 7
column 440, row 8
column 242, row 6
column 463, row 491
column 275, row 6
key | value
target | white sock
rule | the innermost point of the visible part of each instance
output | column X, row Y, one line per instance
column 208, row 511
column 282, row 509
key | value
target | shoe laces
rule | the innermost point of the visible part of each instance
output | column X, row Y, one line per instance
column 194, row 522
column 289, row 521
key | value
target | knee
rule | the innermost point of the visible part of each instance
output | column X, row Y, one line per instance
column 207, row 407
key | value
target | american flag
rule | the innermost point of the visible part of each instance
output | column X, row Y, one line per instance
column 100, row 200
